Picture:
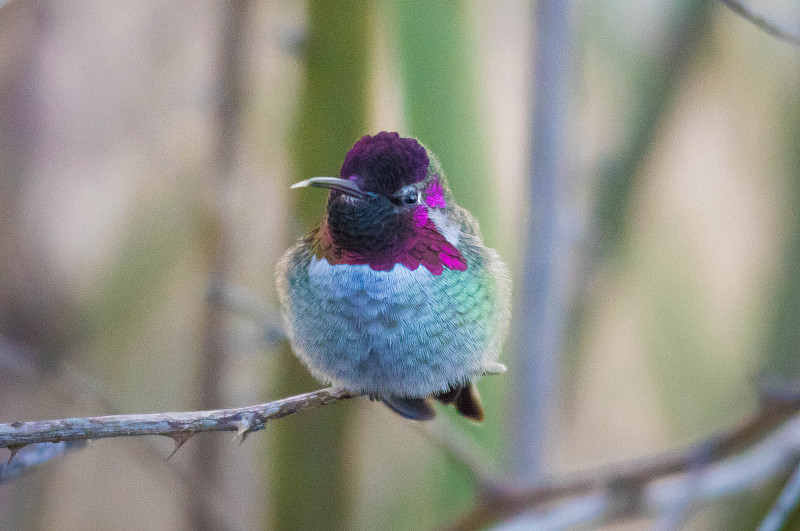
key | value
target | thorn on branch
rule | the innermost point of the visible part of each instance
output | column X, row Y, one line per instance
column 241, row 420
column 180, row 439
column 27, row 456
column 245, row 427
column 14, row 448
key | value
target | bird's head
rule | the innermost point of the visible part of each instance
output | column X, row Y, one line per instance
column 379, row 208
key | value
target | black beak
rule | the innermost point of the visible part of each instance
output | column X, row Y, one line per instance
column 334, row 183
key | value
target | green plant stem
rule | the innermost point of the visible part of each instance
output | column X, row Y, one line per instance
column 311, row 482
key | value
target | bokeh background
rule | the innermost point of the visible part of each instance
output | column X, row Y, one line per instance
column 146, row 149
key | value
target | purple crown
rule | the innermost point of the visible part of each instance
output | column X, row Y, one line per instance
column 386, row 162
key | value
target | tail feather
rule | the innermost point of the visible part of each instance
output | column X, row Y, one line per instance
column 466, row 400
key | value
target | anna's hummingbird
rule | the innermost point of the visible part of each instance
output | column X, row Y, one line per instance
column 394, row 294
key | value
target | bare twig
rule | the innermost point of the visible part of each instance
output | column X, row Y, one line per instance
column 569, row 514
column 542, row 301
column 22, row 361
column 658, row 485
column 242, row 420
column 214, row 354
column 462, row 450
column 760, row 21
column 654, row 486
column 193, row 482
column 244, row 302
column 678, row 514
column 621, row 173
column 784, row 505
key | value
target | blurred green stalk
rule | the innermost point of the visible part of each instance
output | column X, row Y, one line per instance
column 442, row 107
column 782, row 360
column 657, row 83
column 657, row 80
column 782, row 350
column 311, row 484
column 436, row 51
column 541, row 305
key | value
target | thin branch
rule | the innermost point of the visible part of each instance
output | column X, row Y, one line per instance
column 541, row 305
column 763, row 23
column 242, row 420
column 676, row 516
column 22, row 361
column 215, row 349
column 784, row 505
column 192, row 482
column 620, row 174
column 659, row 484
column 564, row 516
column 463, row 451
column 244, row 302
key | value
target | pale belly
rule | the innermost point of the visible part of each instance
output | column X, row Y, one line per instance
column 398, row 332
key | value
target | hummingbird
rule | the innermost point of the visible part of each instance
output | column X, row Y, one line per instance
column 394, row 294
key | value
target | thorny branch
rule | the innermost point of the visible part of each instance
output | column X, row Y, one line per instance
column 725, row 463
column 786, row 503
column 178, row 426
column 763, row 23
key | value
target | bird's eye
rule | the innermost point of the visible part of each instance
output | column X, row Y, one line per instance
column 411, row 198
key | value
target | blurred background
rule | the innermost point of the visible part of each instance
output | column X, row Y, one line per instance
column 641, row 181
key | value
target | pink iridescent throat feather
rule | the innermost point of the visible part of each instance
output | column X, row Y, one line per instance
column 424, row 245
